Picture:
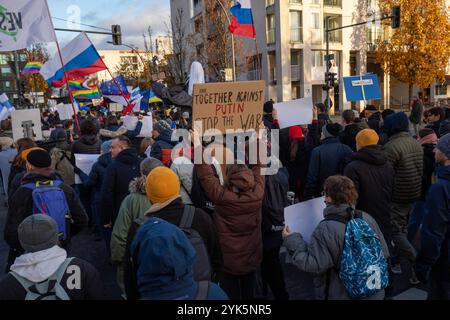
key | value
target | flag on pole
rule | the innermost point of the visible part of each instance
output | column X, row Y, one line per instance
column 110, row 88
column 86, row 94
column 4, row 101
column 80, row 59
column 79, row 84
column 242, row 20
column 24, row 23
column 32, row 67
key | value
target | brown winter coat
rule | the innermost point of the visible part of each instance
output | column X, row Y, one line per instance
column 237, row 216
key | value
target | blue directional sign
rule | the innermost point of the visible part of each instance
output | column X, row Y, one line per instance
column 362, row 88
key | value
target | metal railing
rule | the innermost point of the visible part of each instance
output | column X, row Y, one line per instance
column 297, row 34
column 332, row 3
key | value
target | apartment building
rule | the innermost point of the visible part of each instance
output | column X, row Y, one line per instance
column 291, row 47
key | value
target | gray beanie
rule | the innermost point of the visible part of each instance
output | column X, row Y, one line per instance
column 148, row 164
column 444, row 145
column 38, row 232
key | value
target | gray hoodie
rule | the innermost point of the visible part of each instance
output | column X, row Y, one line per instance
column 322, row 255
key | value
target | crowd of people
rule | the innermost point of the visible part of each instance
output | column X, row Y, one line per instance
column 178, row 230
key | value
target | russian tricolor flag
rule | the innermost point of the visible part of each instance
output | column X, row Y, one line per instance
column 80, row 59
column 242, row 21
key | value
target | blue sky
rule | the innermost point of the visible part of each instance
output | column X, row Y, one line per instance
column 134, row 16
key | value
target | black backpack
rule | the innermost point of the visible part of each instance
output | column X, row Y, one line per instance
column 274, row 202
column 198, row 196
column 202, row 266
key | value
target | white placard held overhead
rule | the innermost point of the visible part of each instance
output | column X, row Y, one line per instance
column 295, row 112
column 304, row 217
column 85, row 163
column 65, row 111
column 147, row 125
column 26, row 124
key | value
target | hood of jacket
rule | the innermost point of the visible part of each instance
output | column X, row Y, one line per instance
column 342, row 210
column 164, row 259
column 39, row 266
column 137, row 185
column 89, row 140
column 242, row 179
column 166, row 136
column 374, row 154
column 40, row 174
column 127, row 156
column 105, row 159
column 330, row 140
column 443, row 172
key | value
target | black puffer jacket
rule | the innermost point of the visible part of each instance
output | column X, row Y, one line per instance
column 428, row 168
column 373, row 176
column 118, row 175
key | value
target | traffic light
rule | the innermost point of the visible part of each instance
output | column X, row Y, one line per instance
column 395, row 20
column 116, row 35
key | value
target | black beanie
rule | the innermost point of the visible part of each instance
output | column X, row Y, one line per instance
column 331, row 130
column 268, row 107
column 39, row 159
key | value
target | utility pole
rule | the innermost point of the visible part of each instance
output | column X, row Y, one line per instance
column 327, row 74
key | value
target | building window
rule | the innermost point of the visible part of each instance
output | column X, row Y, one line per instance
column 23, row 57
column 296, row 1
column 5, row 58
column 7, row 85
column 296, row 64
column 332, row 3
column 316, row 20
column 296, row 26
column 441, row 90
column 335, row 22
column 296, row 90
column 317, row 58
column 6, row 70
column 270, row 28
column 270, row 3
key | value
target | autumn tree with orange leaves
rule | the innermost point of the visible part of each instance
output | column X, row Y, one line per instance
column 418, row 52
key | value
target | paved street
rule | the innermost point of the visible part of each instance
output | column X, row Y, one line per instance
column 299, row 284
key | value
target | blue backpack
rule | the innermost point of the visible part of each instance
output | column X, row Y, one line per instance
column 49, row 199
column 363, row 267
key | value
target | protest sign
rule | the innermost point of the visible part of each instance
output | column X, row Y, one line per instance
column 222, row 106
column 295, row 112
column 115, row 107
column 26, row 124
column 130, row 123
column 85, row 163
column 304, row 217
column 65, row 111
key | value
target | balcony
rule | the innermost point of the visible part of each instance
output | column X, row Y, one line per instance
column 332, row 3
column 335, row 36
column 297, row 34
column 271, row 36
column 295, row 73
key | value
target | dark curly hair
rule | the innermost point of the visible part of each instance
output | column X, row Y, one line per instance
column 87, row 127
column 341, row 190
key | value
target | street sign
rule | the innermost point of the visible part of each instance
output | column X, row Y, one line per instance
column 228, row 74
column 329, row 57
column 362, row 88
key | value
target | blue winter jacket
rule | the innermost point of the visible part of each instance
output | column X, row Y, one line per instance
column 326, row 160
column 164, row 141
column 95, row 178
column 164, row 258
column 434, row 256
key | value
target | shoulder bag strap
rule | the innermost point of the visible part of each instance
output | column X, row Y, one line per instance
column 187, row 218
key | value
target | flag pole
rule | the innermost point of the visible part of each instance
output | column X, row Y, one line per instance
column 113, row 78
column 64, row 70
column 68, row 87
column 232, row 39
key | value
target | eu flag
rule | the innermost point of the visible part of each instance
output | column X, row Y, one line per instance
column 109, row 88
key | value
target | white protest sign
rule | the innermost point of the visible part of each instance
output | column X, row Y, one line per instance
column 294, row 112
column 304, row 217
column 130, row 123
column 115, row 107
column 85, row 163
column 65, row 111
column 26, row 124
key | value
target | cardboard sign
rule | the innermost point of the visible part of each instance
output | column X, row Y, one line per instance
column 147, row 125
column 26, row 124
column 304, row 217
column 294, row 112
column 65, row 111
column 85, row 163
column 222, row 106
